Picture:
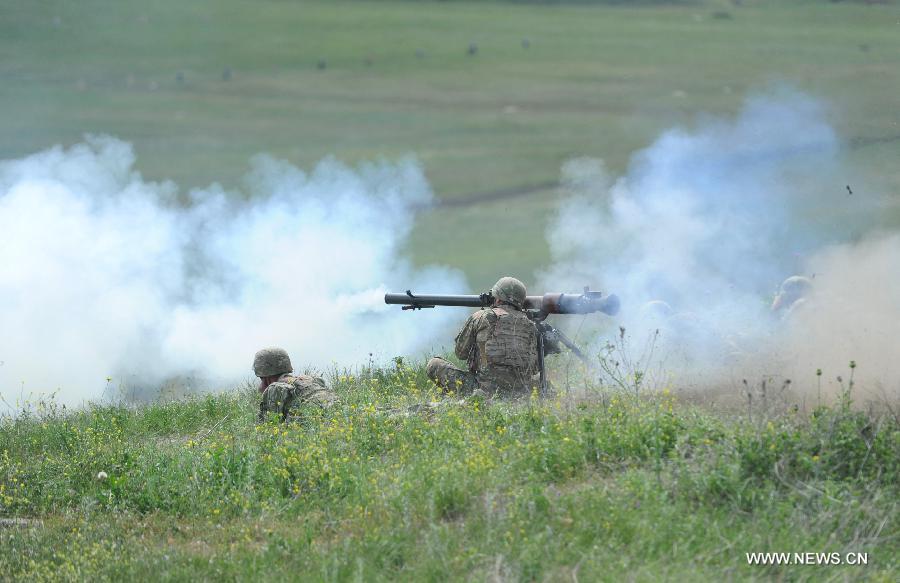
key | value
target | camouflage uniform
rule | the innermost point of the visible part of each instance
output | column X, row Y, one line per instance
column 500, row 346
column 290, row 394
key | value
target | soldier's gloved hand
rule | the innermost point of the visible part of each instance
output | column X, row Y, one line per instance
column 551, row 341
column 551, row 336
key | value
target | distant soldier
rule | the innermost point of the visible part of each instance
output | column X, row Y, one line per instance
column 793, row 296
column 284, row 393
column 500, row 346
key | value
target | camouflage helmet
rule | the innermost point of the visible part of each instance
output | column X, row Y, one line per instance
column 656, row 310
column 273, row 361
column 797, row 285
column 509, row 290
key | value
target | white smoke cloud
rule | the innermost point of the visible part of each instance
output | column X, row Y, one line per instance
column 105, row 274
column 711, row 220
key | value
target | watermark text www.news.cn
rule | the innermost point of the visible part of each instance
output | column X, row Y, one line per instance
column 808, row 558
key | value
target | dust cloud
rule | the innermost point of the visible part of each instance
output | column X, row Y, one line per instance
column 698, row 235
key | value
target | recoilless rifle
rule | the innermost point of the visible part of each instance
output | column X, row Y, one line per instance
column 537, row 308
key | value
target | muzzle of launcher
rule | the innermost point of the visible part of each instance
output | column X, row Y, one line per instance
column 584, row 303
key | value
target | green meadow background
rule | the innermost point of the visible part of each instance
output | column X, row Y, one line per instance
column 200, row 87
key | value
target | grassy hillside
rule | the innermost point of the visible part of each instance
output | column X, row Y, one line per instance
column 387, row 487
column 200, row 87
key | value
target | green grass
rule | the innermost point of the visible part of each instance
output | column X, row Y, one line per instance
column 609, row 488
column 596, row 80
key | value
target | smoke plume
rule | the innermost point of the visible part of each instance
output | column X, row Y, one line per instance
column 103, row 274
column 707, row 223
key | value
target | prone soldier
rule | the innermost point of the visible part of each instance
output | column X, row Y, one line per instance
column 285, row 393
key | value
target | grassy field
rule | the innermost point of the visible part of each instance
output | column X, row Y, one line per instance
column 386, row 487
column 200, row 87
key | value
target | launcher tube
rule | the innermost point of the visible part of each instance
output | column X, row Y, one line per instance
column 586, row 303
column 423, row 301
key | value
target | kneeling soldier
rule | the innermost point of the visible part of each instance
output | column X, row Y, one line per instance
column 500, row 346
